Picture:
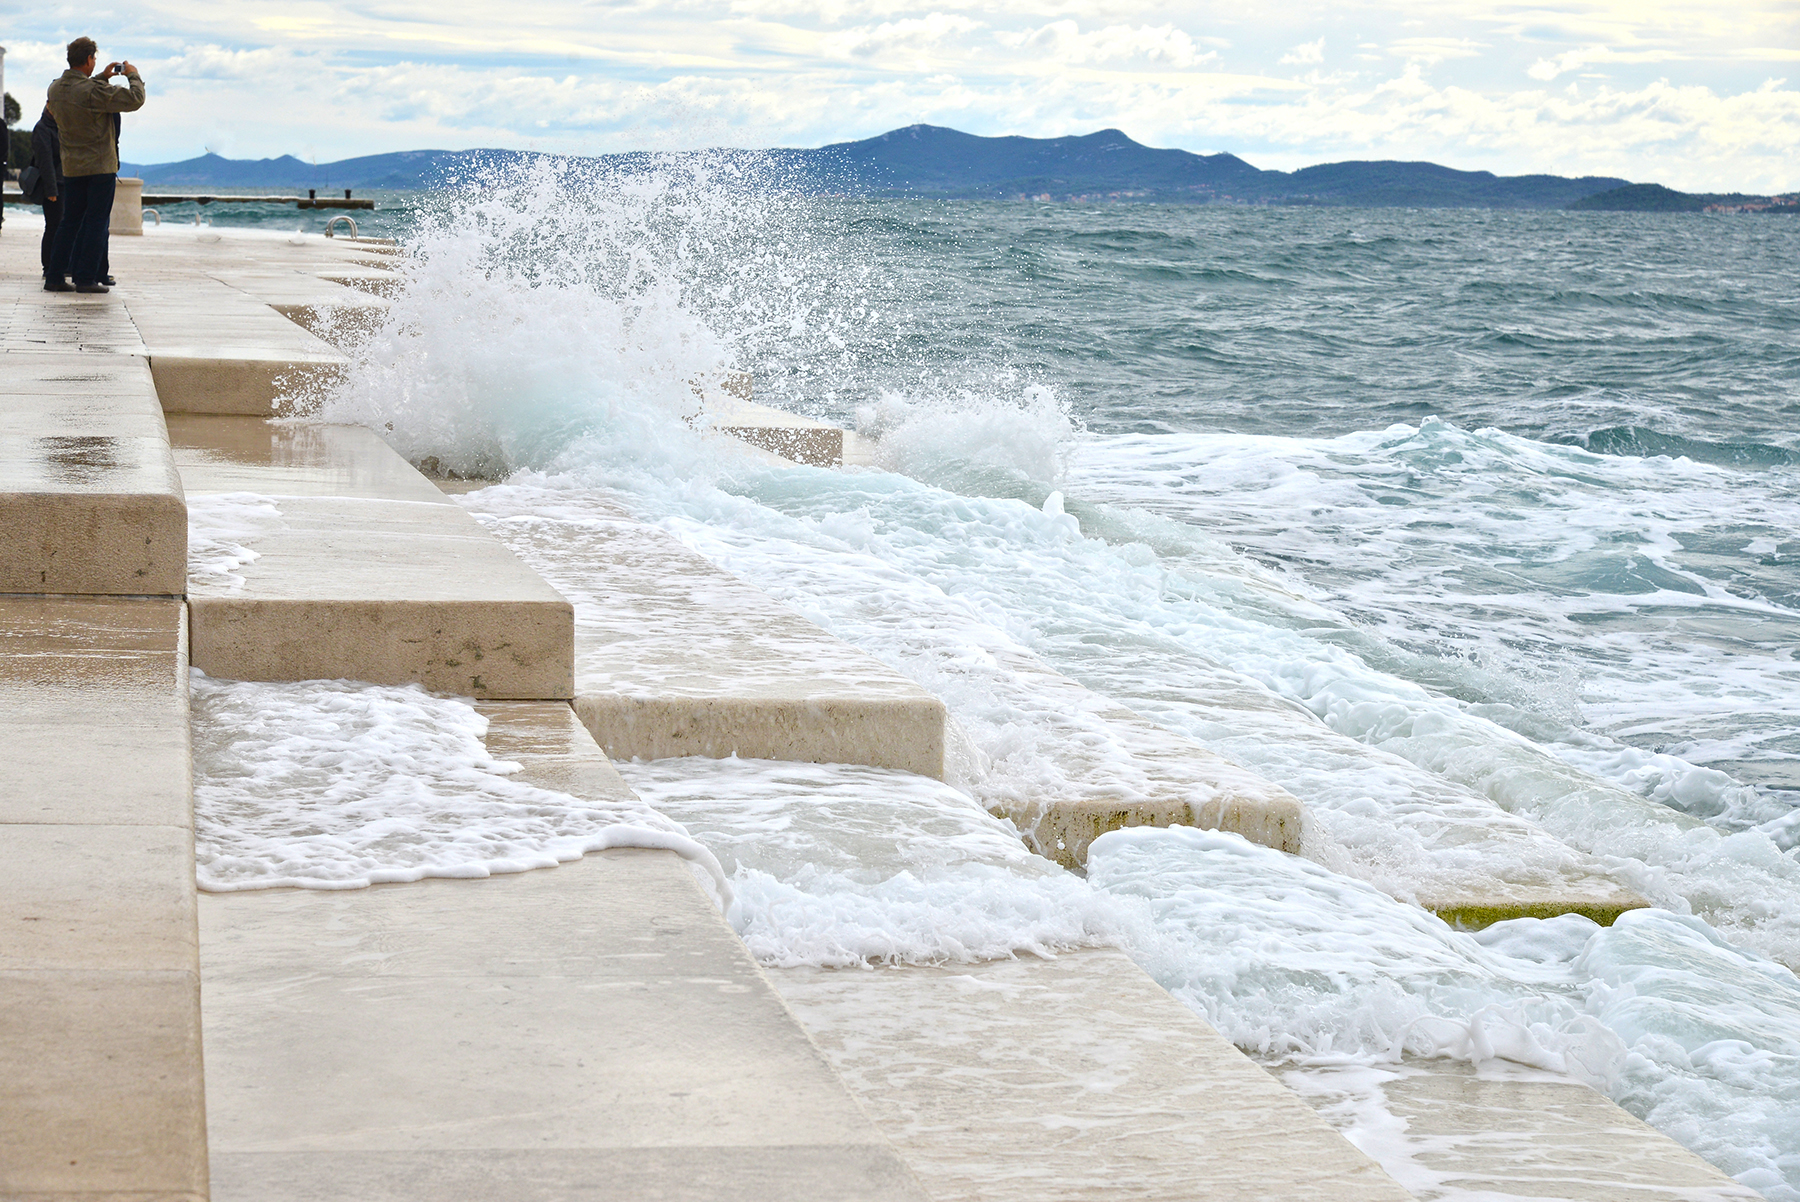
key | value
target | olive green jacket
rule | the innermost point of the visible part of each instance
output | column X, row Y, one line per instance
column 83, row 106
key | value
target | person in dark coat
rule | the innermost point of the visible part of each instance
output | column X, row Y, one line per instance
column 46, row 156
column 83, row 103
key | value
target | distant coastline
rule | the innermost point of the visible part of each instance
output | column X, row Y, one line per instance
column 1103, row 167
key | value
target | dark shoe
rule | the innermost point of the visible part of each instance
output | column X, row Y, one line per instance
column 51, row 285
column 109, row 281
column 92, row 288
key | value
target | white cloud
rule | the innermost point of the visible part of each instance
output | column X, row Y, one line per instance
column 1305, row 54
column 910, row 36
column 1466, row 83
column 1063, row 42
column 1430, row 50
column 1547, row 69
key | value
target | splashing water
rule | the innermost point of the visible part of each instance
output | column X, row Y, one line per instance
column 1369, row 615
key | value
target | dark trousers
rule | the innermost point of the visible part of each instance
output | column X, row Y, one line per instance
column 52, row 218
column 80, row 246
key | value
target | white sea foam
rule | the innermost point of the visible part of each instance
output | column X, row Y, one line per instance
column 1007, row 434
column 1405, row 721
column 845, row 865
column 1403, row 781
column 220, row 527
column 1699, row 1038
column 339, row 785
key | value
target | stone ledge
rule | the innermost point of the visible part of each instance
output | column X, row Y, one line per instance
column 368, row 573
column 1593, row 899
column 91, row 502
column 1503, row 1131
column 93, row 709
column 481, row 648
column 610, row 1015
column 676, row 657
column 1121, row 770
column 687, row 1173
column 1058, row 1080
column 904, row 734
column 58, row 537
column 88, row 897
column 100, row 1085
column 237, row 381
column 240, row 453
column 684, row 1174
column 789, row 435
column 1064, row 831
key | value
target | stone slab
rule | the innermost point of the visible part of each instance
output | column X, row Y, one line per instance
column 860, row 451
column 556, row 749
column 194, row 379
column 789, row 435
column 1074, row 1078
column 93, row 706
column 101, row 1094
column 675, row 657
column 1424, row 839
column 368, row 573
column 35, row 321
column 1483, row 906
column 1115, row 769
column 220, row 454
column 89, row 498
column 1503, row 1132
column 100, row 1065
column 810, row 1172
column 334, row 321
column 90, row 897
column 390, row 592
column 373, row 280
column 604, row 1007
column 215, row 347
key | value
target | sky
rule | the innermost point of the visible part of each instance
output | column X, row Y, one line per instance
column 1702, row 95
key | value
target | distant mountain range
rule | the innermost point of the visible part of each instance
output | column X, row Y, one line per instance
column 929, row 160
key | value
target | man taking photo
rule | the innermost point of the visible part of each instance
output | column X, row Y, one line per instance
column 84, row 105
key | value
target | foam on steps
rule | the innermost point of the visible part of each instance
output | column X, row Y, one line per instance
column 625, row 1043
column 675, row 657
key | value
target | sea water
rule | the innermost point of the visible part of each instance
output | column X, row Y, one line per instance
column 1423, row 515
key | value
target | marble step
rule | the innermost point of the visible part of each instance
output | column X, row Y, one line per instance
column 1069, row 1079
column 675, row 657
column 90, row 501
column 594, row 1031
column 362, row 570
column 100, row 1062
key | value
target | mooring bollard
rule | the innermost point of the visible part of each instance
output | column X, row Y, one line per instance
column 128, row 207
